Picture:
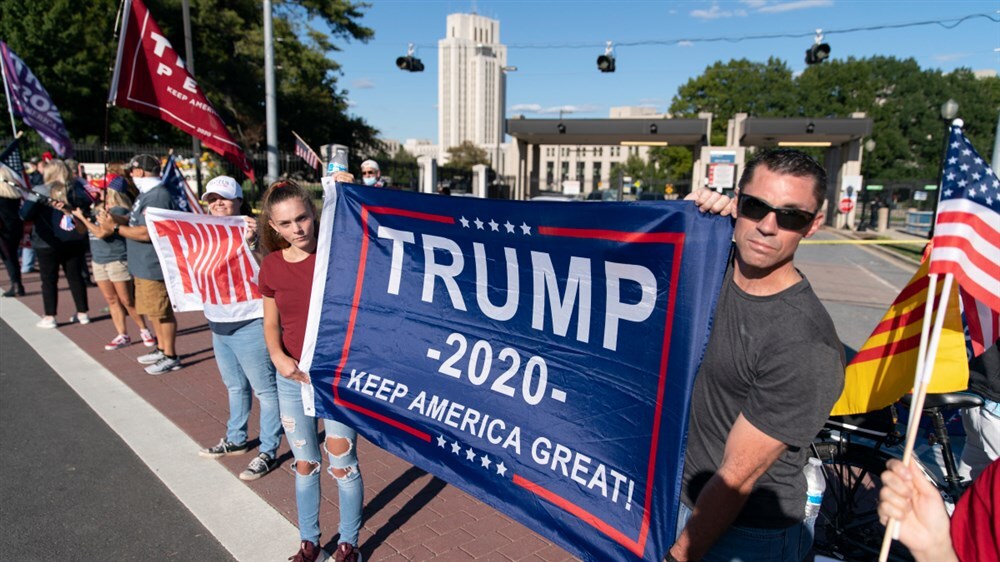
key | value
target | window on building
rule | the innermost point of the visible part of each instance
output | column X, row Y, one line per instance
column 597, row 172
column 579, row 171
column 564, row 175
column 549, row 172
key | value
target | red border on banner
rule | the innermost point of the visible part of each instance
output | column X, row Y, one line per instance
column 637, row 545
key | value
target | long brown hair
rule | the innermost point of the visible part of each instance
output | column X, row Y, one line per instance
column 278, row 192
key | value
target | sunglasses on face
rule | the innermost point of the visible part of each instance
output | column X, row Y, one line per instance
column 754, row 209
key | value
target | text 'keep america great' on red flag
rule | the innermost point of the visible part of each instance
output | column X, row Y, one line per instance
column 150, row 78
column 967, row 232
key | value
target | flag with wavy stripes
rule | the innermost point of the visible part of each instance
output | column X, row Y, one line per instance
column 882, row 371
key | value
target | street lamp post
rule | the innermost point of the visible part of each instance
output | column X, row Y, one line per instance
column 869, row 150
column 502, row 110
column 949, row 110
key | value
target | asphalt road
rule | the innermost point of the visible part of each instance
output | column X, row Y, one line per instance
column 69, row 487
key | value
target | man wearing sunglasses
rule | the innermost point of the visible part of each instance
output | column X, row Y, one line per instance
column 772, row 370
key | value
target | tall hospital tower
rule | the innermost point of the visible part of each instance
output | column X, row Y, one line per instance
column 471, row 102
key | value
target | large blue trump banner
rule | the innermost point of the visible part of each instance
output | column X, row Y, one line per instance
column 538, row 355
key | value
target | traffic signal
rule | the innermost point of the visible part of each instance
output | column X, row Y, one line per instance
column 817, row 53
column 606, row 62
column 410, row 64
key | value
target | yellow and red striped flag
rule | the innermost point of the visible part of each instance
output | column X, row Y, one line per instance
column 882, row 371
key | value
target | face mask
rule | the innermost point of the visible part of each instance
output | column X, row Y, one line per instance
column 369, row 180
column 146, row 184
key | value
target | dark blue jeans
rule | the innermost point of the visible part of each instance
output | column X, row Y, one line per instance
column 749, row 544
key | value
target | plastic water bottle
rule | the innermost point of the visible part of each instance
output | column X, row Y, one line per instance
column 339, row 161
column 815, row 486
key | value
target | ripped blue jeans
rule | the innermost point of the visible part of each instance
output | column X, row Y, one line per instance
column 300, row 431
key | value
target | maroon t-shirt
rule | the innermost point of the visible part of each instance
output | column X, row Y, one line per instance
column 290, row 285
column 975, row 525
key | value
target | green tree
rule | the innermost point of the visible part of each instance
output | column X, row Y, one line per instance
column 737, row 86
column 466, row 155
column 67, row 44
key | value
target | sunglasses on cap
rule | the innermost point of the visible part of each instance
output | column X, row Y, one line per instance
column 754, row 209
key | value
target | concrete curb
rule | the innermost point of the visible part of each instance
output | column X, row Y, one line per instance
column 851, row 235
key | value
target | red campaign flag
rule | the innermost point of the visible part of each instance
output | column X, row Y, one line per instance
column 150, row 78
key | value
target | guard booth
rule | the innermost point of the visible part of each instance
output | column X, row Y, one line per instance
column 531, row 134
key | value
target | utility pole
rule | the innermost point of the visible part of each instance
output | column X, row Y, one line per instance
column 189, row 51
column 269, row 97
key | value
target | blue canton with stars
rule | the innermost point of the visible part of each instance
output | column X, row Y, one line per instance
column 967, row 175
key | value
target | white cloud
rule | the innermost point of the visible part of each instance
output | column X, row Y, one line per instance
column 363, row 84
column 351, row 103
column 553, row 110
column 685, row 43
column 715, row 12
column 946, row 57
column 774, row 7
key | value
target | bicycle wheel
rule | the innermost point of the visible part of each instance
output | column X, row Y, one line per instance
column 848, row 526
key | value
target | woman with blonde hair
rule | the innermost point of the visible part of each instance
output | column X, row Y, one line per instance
column 58, row 242
column 109, row 262
column 11, row 227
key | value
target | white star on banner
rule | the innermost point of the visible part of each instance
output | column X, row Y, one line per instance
column 526, row 229
column 947, row 193
column 955, row 144
column 441, row 441
column 479, row 223
column 976, row 176
column 977, row 160
column 494, row 226
column 966, row 152
column 509, row 227
column 952, row 160
column 455, row 447
column 464, row 221
column 485, row 461
column 962, row 183
column 964, row 167
column 470, row 454
column 951, row 177
column 501, row 469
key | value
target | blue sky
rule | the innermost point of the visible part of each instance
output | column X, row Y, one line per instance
column 564, row 74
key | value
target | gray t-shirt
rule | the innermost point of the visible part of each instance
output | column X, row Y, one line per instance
column 142, row 260
column 778, row 361
column 112, row 248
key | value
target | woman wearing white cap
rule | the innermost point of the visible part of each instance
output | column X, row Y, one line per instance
column 244, row 363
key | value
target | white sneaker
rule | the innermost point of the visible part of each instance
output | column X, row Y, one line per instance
column 150, row 358
column 46, row 322
column 164, row 365
column 148, row 339
column 81, row 317
column 120, row 341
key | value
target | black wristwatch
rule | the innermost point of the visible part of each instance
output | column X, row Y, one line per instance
column 115, row 231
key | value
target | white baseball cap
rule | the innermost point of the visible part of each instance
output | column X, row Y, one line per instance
column 225, row 187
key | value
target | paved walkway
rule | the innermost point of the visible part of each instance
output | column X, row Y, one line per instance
column 408, row 515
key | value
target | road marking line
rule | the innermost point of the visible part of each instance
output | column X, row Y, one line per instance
column 246, row 525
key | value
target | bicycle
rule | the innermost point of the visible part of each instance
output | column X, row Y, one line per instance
column 854, row 450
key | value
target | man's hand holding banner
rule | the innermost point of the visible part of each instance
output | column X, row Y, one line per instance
column 206, row 264
column 538, row 355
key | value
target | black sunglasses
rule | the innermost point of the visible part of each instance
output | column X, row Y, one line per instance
column 754, row 209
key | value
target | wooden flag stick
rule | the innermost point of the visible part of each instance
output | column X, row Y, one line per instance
column 921, row 381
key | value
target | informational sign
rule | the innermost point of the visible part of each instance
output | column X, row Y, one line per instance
column 571, row 187
column 722, row 157
column 539, row 357
column 920, row 196
column 850, row 187
column 874, row 188
column 722, row 176
column 846, row 205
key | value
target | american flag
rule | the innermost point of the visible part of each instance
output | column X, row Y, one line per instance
column 967, row 235
column 11, row 156
column 302, row 149
column 179, row 188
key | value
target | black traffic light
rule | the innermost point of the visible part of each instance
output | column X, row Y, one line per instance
column 606, row 63
column 410, row 64
column 817, row 53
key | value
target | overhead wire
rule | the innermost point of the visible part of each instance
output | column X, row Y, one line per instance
column 945, row 23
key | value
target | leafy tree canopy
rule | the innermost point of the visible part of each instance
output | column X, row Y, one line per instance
column 466, row 155
column 902, row 99
column 68, row 44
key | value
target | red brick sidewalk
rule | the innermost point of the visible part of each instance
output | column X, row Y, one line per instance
column 408, row 515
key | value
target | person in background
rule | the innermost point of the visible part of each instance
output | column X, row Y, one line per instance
column 151, row 296
column 286, row 276
column 244, row 363
column 109, row 260
column 58, row 242
column 971, row 535
column 982, row 424
column 11, row 227
column 371, row 175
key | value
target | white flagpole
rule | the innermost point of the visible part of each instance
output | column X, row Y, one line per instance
column 123, row 11
column 921, row 382
column 6, row 91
